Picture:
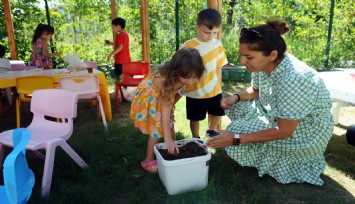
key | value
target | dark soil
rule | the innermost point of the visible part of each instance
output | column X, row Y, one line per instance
column 190, row 149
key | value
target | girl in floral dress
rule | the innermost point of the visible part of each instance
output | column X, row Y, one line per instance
column 39, row 55
column 152, row 107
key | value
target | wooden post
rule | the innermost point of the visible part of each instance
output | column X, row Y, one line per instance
column 145, row 31
column 10, row 29
column 113, row 9
column 216, row 4
column 113, row 6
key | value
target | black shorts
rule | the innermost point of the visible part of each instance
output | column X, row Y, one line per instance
column 118, row 69
column 196, row 109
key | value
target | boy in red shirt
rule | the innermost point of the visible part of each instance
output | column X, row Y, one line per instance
column 121, row 45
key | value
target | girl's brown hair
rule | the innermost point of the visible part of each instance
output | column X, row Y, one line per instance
column 41, row 28
column 185, row 63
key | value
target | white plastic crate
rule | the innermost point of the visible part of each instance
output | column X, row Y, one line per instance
column 183, row 175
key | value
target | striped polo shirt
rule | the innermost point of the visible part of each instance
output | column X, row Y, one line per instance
column 214, row 58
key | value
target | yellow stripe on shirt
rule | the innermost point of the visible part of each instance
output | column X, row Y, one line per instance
column 213, row 56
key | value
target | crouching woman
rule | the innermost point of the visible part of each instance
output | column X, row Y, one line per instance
column 282, row 123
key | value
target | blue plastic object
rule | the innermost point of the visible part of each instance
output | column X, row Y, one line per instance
column 350, row 135
column 18, row 178
column 212, row 133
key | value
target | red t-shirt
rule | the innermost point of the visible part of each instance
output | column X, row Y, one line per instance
column 123, row 56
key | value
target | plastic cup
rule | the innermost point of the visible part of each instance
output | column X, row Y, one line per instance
column 90, row 69
column 212, row 133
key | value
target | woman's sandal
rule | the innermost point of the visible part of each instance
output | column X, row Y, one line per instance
column 151, row 166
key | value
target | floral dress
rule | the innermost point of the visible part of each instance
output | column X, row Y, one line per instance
column 145, row 108
column 37, row 59
column 293, row 91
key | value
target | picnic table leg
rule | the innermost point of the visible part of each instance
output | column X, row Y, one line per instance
column 337, row 104
column 105, row 97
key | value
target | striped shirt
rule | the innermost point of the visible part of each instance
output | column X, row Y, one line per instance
column 214, row 58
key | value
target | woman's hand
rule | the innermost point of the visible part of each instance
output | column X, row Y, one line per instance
column 171, row 146
column 223, row 140
column 227, row 102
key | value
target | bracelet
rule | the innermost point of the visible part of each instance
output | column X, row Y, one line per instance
column 238, row 97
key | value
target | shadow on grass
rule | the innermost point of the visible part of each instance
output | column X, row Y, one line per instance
column 115, row 176
column 248, row 187
column 8, row 121
column 341, row 156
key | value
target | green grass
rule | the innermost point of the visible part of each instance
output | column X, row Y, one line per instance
column 115, row 176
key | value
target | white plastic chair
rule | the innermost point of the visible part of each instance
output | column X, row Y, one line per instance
column 18, row 178
column 48, row 133
column 87, row 87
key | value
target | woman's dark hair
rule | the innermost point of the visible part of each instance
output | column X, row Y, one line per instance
column 266, row 37
column 41, row 28
column 186, row 62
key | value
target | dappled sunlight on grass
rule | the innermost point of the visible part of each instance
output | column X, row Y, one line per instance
column 342, row 178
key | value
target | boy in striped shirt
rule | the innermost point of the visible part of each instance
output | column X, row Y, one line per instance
column 205, row 96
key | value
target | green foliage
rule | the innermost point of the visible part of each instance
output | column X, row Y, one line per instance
column 22, row 13
column 309, row 21
column 82, row 26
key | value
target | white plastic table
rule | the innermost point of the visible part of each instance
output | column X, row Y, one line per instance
column 341, row 85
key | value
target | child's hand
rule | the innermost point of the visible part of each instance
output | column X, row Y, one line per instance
column 227, row 102
column 107, row 42
column 109, row 58
column 171, row 146
column 56, row 54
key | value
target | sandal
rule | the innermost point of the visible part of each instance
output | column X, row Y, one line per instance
column 151, row 166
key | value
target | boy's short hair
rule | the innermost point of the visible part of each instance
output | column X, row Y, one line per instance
column 119, row 21
column 2, row 51
column 211, row 18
